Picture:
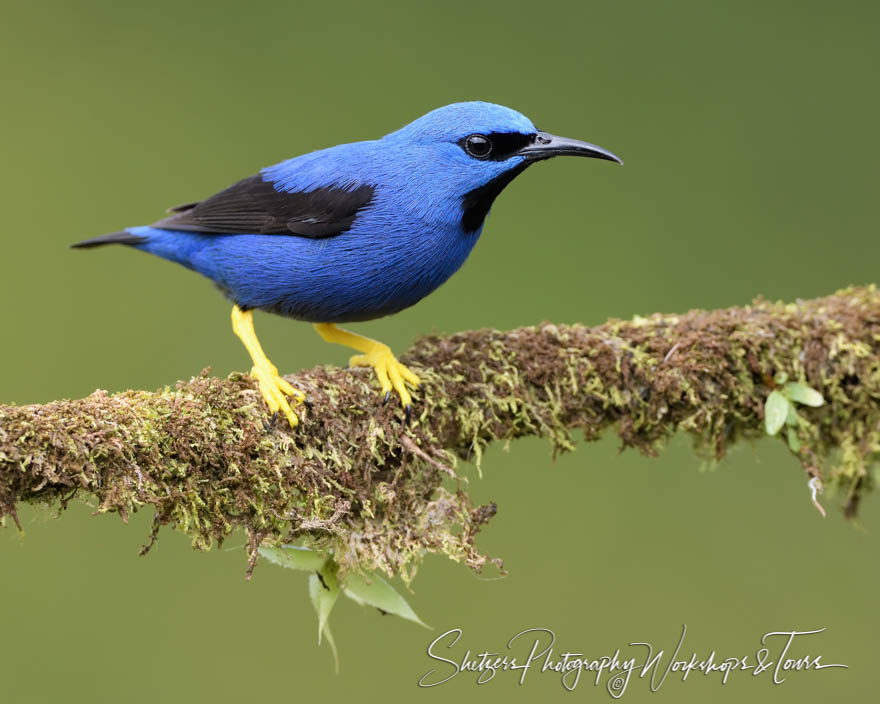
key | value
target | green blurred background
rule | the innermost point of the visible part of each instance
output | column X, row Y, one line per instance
column 749, row 131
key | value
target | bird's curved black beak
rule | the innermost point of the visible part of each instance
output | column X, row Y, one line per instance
column 547, row 145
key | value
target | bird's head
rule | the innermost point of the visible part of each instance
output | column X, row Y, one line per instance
column 473, row 150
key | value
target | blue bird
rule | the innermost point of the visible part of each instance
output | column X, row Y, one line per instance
column 353, row 232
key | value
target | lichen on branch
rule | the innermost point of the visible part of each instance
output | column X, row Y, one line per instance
column 356, row 479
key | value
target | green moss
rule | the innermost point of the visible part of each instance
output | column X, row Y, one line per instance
column 355, row 479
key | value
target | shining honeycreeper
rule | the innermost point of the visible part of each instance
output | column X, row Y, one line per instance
column 354, row 232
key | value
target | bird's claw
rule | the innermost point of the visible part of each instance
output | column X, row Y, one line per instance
column 392, row 375
column 275, row 391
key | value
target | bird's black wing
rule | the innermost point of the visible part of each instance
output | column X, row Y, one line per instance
column 253, row 206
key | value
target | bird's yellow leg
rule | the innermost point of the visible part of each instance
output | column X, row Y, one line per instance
column 274, row 389
column 391, row 373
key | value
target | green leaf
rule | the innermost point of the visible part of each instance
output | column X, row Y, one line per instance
column 323, row 600
column 775, row 411
column 332, row 644
column 781, row 378
column 794, row 442
column 380, row 594
column 801, row 393
column 791, row 417
column 295, row 557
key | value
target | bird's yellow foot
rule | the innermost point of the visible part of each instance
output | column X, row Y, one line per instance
column 275, row 391
column 392, row 374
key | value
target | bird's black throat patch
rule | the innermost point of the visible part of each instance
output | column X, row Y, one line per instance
column 476, row 203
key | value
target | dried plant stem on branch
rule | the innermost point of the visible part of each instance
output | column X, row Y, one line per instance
column 354, row 478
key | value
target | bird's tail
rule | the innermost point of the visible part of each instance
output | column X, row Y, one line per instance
column 113, row 238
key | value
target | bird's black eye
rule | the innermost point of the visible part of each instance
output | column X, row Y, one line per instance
column 478, row 146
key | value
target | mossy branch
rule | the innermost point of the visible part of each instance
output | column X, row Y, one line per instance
column 356, row 479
